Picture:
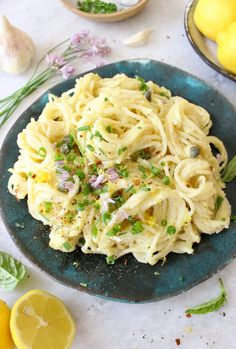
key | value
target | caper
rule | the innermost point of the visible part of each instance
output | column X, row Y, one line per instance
column 148, row 95
column 194, row 151
column 64, row 148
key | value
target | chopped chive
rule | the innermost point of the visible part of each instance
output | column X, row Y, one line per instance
column 30, row 174
column 98, row 134
column 42, row 152
column 137, row 228
column 101, row 151
column 143, row 170
column 166, row 180
column 171, row 230
column 233, row 218
column 105, row 99
column 114, row 230
column 162, row 164
column 94, row 231
column 110, row 260
column 84, row 128
column 48, row 206
column 109, row 129
column 90, row 147
column 105, row 217
column 129, row 188
column 80, row 174
column 66, row 245
column 77, row 142
column 59, row 157
column 164, row 223
column 143, row 85
column 71, row 157
column 121, row 150
column 87, row 189
column 155, row 171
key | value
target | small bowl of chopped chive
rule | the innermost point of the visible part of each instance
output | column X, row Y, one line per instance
column 105, row 10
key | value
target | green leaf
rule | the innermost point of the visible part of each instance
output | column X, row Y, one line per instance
column 230, row 171
column 212, row 305
column 11, row 271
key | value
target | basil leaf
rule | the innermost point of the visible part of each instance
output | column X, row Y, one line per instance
column 210, row 306
column 11, row 272
column 230, row 171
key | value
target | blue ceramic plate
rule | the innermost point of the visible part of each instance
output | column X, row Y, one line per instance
column 127, row 280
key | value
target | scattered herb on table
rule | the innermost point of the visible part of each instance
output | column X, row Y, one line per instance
column 210, row 306
column 230, row 171
column 96, row 6
column 12, row 271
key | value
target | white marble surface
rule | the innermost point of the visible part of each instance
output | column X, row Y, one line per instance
column 103, row 324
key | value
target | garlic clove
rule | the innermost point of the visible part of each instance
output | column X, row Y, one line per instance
column 139, row 39
column 16, row 48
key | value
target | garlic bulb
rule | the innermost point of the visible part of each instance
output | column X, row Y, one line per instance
column 16, row 48
column 138, row 39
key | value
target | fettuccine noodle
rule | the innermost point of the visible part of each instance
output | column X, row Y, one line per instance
column 118, row 166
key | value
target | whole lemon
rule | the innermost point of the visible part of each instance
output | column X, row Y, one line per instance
column 213, row 16
column 5, row 335
column 226, row 51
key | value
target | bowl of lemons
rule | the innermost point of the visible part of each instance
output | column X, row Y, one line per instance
column 211, row 29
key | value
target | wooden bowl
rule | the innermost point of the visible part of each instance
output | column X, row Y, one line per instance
column 110, row 17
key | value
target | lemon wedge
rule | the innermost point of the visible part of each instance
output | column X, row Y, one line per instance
column 41, row 321
column 5, row 335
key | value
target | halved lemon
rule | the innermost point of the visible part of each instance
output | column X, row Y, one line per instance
column 41, row 321
column 5, row 335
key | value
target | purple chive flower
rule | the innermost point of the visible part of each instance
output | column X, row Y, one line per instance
column 78, row 37
column 67, row 71
column 95, row 181
column 122, row 215
column 98, row 48
column 55, row 60
column 112, row 174
column 63, row 175
column 105, row 200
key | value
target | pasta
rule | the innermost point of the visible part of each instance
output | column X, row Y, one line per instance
column 117, row 166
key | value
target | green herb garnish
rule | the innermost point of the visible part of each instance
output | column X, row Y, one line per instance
column 143, row 85
column 123, row 171
column 59, row 157
column 218, row 202
column 210, row 306
column 230, row 171
column 48, row 206
column 155, row 171
column 110, row 260
column 80, row 174
column 129, row 188
column 106, row 217
column 166, row 180
column 90, row 147
column 66, row 245
column 71, row 157
column 109, row 129
column 12, row 271
column 143, row 170
column 114, row 230
column 233, row 218
column 171, row 230
column 42, row 152
column 137, row 228
column 84, row 128
column 94, row 231
column 121, row 150
column 96, row 6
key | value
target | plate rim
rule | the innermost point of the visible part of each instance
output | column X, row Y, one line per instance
column 37, row 264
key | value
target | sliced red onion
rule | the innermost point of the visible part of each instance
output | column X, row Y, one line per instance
column 112, row 174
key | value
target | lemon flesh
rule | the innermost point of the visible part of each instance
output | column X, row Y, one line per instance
column 5, row 335
column 226, row 51
column 41, row 321
column 213, row 16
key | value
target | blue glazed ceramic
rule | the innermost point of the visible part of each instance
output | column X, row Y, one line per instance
column 126, row 280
